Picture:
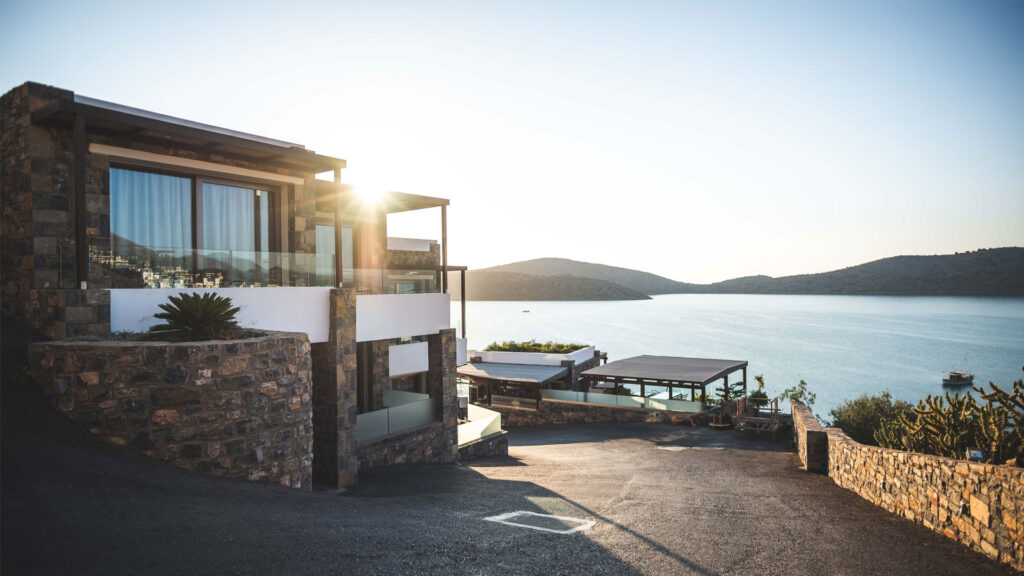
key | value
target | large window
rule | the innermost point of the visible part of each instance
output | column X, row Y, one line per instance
column 171, row 231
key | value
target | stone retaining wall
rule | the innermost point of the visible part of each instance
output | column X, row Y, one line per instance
column 426, row 445
column 979, row 505
column 811, row 439
column 235, row 408
column 494, row 445
column 559, row 412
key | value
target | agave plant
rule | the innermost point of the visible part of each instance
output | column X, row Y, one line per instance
column 197, row 317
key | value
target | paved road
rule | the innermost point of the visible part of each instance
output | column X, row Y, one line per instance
column 665, row 500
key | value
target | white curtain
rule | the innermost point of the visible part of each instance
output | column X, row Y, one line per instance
column 229, row 218
column 151, row 211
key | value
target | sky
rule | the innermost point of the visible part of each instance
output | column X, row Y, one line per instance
column 697, row 140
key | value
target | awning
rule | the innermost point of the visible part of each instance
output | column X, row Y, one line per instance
column 522, row 374
column 667, row 369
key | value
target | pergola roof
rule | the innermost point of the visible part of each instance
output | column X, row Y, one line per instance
column 512, row 373
column 144, row 125
column 666, row 369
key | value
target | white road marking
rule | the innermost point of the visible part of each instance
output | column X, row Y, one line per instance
column 506, row 517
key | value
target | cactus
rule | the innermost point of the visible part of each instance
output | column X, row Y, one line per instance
column 889, row 434
column 1012, row 406
column 947, row 426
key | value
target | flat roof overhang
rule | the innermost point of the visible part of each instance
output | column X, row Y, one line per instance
column 665, row 369
column 150, row 127
column 513, row 374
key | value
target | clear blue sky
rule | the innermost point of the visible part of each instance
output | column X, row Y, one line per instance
column 700, row 141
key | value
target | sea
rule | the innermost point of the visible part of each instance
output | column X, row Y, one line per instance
column 842, row 346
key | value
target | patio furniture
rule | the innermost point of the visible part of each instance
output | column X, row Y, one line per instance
column 748, row 417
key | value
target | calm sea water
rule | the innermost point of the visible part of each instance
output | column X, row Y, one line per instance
column 843, row 346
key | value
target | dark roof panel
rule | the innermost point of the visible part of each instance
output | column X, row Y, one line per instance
column 667, row 368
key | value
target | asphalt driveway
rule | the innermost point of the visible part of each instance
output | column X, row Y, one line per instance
column 663, row 500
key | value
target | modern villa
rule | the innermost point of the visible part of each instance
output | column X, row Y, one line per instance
column 108, row 210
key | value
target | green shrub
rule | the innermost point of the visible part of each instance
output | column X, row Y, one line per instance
column 548, row 347
column 193, row 317
column 799, row 393
column 860, row 418
column 758, row 398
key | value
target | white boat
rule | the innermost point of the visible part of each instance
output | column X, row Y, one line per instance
column 957, row 378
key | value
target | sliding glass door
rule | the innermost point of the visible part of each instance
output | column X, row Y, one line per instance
column 234, row 235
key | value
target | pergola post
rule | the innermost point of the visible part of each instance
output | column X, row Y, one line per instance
column 444, row 251
column 744, row 380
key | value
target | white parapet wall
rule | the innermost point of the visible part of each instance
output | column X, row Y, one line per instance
column 536, row 358
column 408, row 359
column 303, row 309
column 386, row 316
column 461, row 355
column 410, row 244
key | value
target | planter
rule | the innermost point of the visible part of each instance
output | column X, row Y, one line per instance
column 235, row 408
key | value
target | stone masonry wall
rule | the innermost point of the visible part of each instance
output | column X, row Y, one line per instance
column 494, row 445
column 441, row 378
column 412, row 259
column 811, row 439
column 425, row 445
column 979, row 505
column 559, row 412
column 336, row 461
column 235, row 408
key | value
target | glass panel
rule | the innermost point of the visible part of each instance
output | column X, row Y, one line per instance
column 371, row 425
column 325, row 255
column 392, row 398
column 150, row 226
column 409, row 416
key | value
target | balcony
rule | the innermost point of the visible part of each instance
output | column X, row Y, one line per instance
column 402, row 411
column 274, row 290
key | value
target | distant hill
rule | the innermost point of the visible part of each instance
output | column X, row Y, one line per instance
column 643, row 282
column 989, row 272
column 492, row 284
column 994, row 272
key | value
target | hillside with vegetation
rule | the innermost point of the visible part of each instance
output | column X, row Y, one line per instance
column 989, row 272
column 495, row 285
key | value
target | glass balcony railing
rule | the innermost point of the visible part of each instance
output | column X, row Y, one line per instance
column 125, row 265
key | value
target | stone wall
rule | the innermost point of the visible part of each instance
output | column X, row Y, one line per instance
column 235, row 408
column 441, row 377
column 559, row 412
column 979, row 505
column 425, row 445
column 494, row 445
column 412, row 259
column 336, row 462
column 811, row 439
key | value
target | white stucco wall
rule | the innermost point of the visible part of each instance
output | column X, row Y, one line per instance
column 408, row 359
column 385, row 316
column 537, row 358
column 286, row 309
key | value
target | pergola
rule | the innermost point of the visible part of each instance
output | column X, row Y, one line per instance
column 531, row 377
column 670, row 371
